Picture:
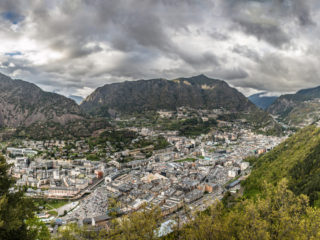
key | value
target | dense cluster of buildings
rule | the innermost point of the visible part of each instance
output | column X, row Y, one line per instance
column 183, row 173
column 170, row 183
column 55, row 178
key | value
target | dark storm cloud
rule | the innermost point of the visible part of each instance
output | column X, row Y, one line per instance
column 268, row 20
column 271, row 33
column 278, row 72
column 217, row 35
column 126, row 25
column 297, row 10
column 302, row 11
column 11, row 66
column 79, row 45
column 246, row 52
column 12, row 7
column 198, row 60
column 74, row 50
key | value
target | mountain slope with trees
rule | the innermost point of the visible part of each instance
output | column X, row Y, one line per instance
column 157, row 94
column 199, row 92
column 299, row 109
column 23, row 103
column 297, row 159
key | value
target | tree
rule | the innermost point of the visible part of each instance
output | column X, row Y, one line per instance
column 140, row 225
column 73, row 232
column 37, row 229
column 17, row 220
column 276, row 214
column 113, row 207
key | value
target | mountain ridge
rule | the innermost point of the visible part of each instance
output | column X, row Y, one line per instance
column 298, row 109
column 157, row 94
column 261, row 101
column 23, row 103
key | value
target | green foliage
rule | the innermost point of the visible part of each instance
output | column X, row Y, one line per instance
column 50, row 204
column 305, row 175
column 93, row 157
column 280, row 214
column 53, row 213
column 17, row 220
column 277, row 130
column 192, row 126
column 277, row 214
column 126, row 159
column 186, row 160
column 57, row 203
column 136, row 226
column 295, row 159
column 252, row 160
column 152, row 95
column 119, row 139
column 74, row 232
column 160, row 143
column 53, row 130
column 139, row 225
column 113, row 207
column 37, row 229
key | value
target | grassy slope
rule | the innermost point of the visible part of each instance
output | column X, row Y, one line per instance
column 295, row 160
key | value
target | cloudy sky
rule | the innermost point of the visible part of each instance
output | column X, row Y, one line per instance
column 74, row 46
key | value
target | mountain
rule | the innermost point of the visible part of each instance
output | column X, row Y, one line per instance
column 198, row 92
column 23, row 103
column 297, row 159
column 262, row 101
column 77, row 99
column 155, row 94
column 299, row 109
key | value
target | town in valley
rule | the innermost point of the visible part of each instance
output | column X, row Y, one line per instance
column 75, row 180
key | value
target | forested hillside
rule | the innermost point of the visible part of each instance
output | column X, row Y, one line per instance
column 199, row 92
column 297, row 159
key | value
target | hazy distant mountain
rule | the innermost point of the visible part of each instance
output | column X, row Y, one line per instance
column 23, row 103
column 77, row 99
column 301, row 108
column 261, row 100
column 143, row 95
